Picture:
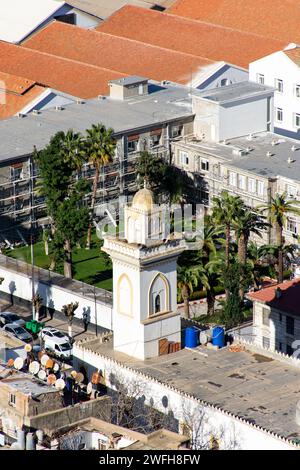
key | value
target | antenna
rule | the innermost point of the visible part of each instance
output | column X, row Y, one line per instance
column 18, row 363
column 42, row 374
column 34, row 367
column 89, row 388
column 44, row 359
column 60, row 384
column 49, row 364
column 28, row 348
column 10, row 362
column 51, row 380
column 56, row 367
column 79, row 378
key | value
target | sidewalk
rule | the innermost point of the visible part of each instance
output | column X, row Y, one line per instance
column 58, row 321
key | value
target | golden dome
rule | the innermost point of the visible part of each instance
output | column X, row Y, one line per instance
column 143, row 200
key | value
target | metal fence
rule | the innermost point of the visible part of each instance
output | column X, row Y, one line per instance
column 52, row 278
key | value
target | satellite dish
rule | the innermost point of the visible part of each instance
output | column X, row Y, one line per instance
column 60, row 384
column 34, row 367
column 44, row 359
column 18, row 363
column 74, row 374
column 49, row 364
column 42, row 374
column 28, row 348
column 89, row 388
column 10, row 362
column 51, row 379
column 79, row 377
column 56, row 367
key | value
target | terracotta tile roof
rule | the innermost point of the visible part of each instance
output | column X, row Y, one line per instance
column 270, row 18
column 74, row 78
column 15, row 93
column 287, row 302
column 192, row 37
column 122, row 55
column 294, row 55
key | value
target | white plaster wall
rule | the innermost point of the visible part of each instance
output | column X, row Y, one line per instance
column 229, row 72
column 279, row 66
column 55, row 297
column 233, row 433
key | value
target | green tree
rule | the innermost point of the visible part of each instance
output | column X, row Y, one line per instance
column 232, row 311
column 151, row 168
column 100, row 148
column 278, row 210
column 187, row 279
column 69, row 312
column 73, row 150
column 224, row 211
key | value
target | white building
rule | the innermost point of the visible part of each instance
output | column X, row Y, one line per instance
column 145, row 316
column 276, row 323
column 281, row 70
column 19, row 18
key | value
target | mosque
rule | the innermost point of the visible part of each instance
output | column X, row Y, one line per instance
column 144, row 280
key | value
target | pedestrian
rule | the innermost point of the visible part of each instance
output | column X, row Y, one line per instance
column 85, row 320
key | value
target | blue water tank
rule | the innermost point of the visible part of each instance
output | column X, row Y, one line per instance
column 191, row 337
column 218, row 336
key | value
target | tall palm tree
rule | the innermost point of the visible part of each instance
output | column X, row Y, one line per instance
column 72, row 149
column 69, row 311
column 100, row 150
column 224, row 211
column 187, row 279
column 209, row 276
column 278, row 209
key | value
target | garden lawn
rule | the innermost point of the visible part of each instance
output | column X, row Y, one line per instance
column 89, row 266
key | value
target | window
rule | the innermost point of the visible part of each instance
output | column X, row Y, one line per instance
column 204, row 164
column 290, row 325
column 251, row 185
column 132, row 145
column 224, row 82
column 260, row 188
column 280, row 317
column 297, row 91
column 176, row 131
column 242, row 182
column 291, row 226
column 154, row 140
column 279, row 115
column 289, row 350
column 280, row 346
column 183, row 157
column 232, row 178
column 296, row 120
column 16, row 171
column 291, row 191
column 266, row 342
column 279, row 85
column 157, row 303
column 260, row 79
column 266, row 317
column 12, row 399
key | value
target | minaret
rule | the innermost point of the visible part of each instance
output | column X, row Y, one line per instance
column 144, row 280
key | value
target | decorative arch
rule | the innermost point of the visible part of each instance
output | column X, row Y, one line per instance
column 159, row 295
column 124, row 295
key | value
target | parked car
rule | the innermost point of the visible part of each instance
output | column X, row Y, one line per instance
column 18, row 331
column 10, row 317
column 59, row 347
column 49, row 332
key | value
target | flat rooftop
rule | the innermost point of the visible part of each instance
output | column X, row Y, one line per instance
column 262, row 390
column 281, row 160
column 26, row 383
column 18, row 136
column 234, row 92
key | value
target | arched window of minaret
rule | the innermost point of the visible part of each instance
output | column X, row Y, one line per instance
column 157, row 303
column 159, row 295
column 124, row 295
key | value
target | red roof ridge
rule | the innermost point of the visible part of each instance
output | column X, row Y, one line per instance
column 186, row 19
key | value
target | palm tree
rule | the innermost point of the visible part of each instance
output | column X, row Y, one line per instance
column 246, row 222
column 278, row 208
column 187, row 279
column 69, row 311
column 224, row 211
column 37, row 304
column 100, row 148
column 72, row 149
column 209, row 276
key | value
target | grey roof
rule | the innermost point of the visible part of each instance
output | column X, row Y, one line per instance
column 256, row 158
column 235, row 92
column 131, row 80
column 163, row 104
column 27, row 384
column 252, row 386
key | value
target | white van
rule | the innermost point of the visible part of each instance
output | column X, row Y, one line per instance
column 59, row 347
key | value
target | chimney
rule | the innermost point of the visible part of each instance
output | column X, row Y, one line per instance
column 128, row 87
